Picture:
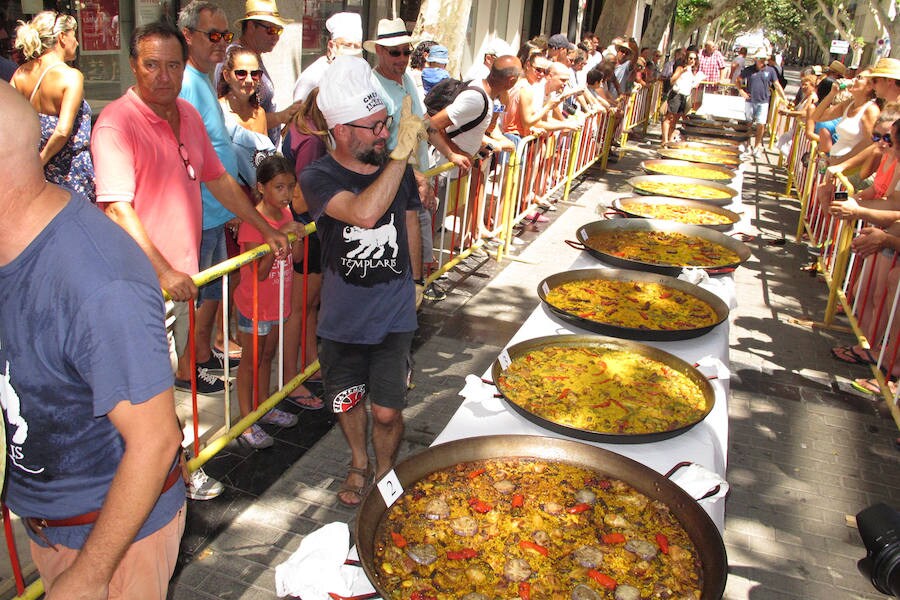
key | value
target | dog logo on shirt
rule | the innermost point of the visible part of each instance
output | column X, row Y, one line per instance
column 377, row 249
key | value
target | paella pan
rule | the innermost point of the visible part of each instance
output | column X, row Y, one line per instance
column 683, row 168
column 464, row 505
column 661, row 246
column 711, row 145
column 689, row 212
column 632, row 304
column 683, row 187
column 709, row 155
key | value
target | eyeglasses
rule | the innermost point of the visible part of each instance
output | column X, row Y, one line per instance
column 216, row 36
column 396, row 52
column 182, row 151
column 255, row 74
column 270, row 29
column 376, row 128
column 883, row 137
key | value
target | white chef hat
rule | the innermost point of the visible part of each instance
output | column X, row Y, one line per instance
column 346, row 92
column 345, row 25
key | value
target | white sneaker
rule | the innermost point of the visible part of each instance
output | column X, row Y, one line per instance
column 203, row 487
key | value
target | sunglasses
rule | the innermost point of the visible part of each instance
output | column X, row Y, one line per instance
column 255, row 74
column 270, row 29
column 216, row 36
column 376, row 128
column 541, row 71
column 883, row 137
column 182, row 151
column 396, row 52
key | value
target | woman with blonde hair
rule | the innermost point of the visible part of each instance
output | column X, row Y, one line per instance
column 56, row 91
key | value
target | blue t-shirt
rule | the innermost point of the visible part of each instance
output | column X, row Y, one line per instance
column 367, row 286
column 759, row 83
column 196, row 89
column 81, row 329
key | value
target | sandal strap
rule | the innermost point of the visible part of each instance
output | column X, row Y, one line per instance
column 358, row 471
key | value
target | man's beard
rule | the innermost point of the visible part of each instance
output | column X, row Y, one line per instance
column 374, row 156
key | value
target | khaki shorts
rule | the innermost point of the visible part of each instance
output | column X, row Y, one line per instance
column 178, row 326
column 145, row 569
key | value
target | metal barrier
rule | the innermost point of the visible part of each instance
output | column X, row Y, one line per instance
column 639, row 108
column 484, row 204
column 866, row 290
column 777, row 123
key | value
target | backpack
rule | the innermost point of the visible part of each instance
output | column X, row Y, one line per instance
column 445, row 92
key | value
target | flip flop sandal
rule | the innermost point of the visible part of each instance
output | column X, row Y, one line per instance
column 357, row 492
column 866, row 386
column 307, row 401
column 848, row 355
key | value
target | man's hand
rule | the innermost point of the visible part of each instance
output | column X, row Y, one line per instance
column 845, row 209
column 178, row 285
column 461, row 161
column 278, row 242
column 75, row 584
column 420, row 295
column 410, row 131
column 869, row 241
column 426, row 192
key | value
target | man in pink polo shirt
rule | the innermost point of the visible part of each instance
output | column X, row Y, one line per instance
column 151, row 151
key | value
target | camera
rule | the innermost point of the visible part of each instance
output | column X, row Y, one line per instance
column 840, row 196
column 879, row 528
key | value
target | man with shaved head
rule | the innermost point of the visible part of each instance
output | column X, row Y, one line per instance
column 86, row 385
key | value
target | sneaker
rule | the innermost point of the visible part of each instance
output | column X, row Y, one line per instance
column 219, row 357
column 256, row 437
column 757, row 151
column 203, row 487
column 207, row 383
column 279, row 418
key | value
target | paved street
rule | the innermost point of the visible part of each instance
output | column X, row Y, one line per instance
column 803, row 454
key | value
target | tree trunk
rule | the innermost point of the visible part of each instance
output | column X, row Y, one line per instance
column 660, row 17
column 613, row 20
column 445, row 21
column 893, row 29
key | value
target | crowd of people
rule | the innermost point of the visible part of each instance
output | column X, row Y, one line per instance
column 195, row 164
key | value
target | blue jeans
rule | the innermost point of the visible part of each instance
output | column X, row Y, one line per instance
column 212, row 252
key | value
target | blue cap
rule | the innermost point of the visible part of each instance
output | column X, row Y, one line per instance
column 438, row 54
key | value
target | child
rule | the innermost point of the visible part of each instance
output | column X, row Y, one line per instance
column 275, row 182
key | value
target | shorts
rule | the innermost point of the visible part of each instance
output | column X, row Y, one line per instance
column 212, row 251
column 245, row 325
column 143, row 573
column 314, row 257
column 679, row 103
column 757, row 112
column 351, row 372
column 829, row 126
column 178, row 328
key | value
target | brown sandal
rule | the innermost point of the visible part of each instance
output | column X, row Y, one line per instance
column 357, row 492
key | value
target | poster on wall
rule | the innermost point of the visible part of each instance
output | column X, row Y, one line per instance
column 99, row 26
column 148, row 11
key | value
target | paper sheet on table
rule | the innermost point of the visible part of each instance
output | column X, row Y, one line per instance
column 317, row 566
column 701, row 278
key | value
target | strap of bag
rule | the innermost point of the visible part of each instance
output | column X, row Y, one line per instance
column 471, row 124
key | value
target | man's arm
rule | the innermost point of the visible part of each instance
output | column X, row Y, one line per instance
column 177, row 284
column 231, row 196
column 437, row 135
column 414, row 243
column 365, row 208
column 152, row 441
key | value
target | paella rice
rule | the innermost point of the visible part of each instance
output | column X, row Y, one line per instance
column 663, row 248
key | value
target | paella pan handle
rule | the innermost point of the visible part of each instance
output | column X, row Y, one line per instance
column 686, row 463
column 575, row 244
column 613, row 213
column 722, row 271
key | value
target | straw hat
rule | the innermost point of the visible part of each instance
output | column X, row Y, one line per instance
column 262, row 10
column 889, row 68
column 838, row 68
column 391, row 32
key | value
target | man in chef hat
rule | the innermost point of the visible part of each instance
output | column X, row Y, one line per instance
column 346, row 40
column 364, row 200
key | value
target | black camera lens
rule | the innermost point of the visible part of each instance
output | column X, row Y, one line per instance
column 879, row 528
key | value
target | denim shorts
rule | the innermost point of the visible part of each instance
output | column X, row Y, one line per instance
column 756, row 112
column 829, row 126
column 351, row 372
column 212, row 252
column 245, row 325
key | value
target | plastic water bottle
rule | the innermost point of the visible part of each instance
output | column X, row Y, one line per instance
column 822, row 164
